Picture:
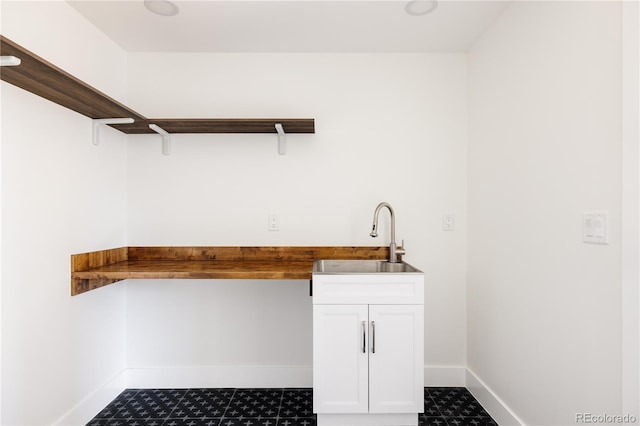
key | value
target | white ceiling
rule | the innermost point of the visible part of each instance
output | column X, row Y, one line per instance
column 292, row 26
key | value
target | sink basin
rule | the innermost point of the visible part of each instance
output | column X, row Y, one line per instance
column 362, row 267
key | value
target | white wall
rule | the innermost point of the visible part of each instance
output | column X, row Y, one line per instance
column 388, row 127
column 631, row 208
column 60, row 195
column 544, row 309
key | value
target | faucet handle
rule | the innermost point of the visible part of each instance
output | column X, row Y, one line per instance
column 401, row 250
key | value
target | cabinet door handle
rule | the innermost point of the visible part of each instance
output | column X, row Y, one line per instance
column 364, row 337
column 373, row 337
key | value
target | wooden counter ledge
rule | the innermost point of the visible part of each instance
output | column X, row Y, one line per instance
column 97, row 269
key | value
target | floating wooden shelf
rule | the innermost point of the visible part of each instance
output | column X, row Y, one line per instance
column 44, row 79
column 97, row 269
column 219, row 125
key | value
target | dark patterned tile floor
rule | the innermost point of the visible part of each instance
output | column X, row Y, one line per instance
column 264, row 407
column 453, row 407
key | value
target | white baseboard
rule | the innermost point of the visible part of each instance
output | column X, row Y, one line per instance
column 444, row 376
column 261, row 377
column 185, row 377
column 491, row 402
column 369, row 419
column 221, row 377
column 93, row 403
column 459, row 376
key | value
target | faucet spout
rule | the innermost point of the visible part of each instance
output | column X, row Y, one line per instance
column 394, row 252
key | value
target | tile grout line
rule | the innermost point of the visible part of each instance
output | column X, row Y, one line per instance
column 177, row 405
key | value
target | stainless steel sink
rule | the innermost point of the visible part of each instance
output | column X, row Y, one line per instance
column 362, row 267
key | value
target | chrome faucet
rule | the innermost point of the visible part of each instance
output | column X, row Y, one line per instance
column 394, row 251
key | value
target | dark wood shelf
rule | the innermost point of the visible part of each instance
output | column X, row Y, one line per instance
column 97, row 269
column 219, row 125
column 46, row 80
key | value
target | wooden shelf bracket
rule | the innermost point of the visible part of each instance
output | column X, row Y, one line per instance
column 166, row 138
column 98, row 121
column 9, row 61
column 282, row 139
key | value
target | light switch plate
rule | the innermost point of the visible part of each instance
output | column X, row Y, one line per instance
column 595, row 227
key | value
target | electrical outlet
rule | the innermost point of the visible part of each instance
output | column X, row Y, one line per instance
column 448, row 222
column 274, row 223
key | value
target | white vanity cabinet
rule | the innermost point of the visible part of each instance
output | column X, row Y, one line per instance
column 368, row 349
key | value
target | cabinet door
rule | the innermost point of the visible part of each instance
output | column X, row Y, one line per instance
column 396, row 360
column 340, row 365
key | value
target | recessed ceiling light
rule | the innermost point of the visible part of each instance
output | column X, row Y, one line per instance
column 421, row 7
column 161, row 7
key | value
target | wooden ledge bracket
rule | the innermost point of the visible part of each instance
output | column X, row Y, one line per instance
column 98, row 121
column 282, row 139
column 9, row 61
column 166, row 138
